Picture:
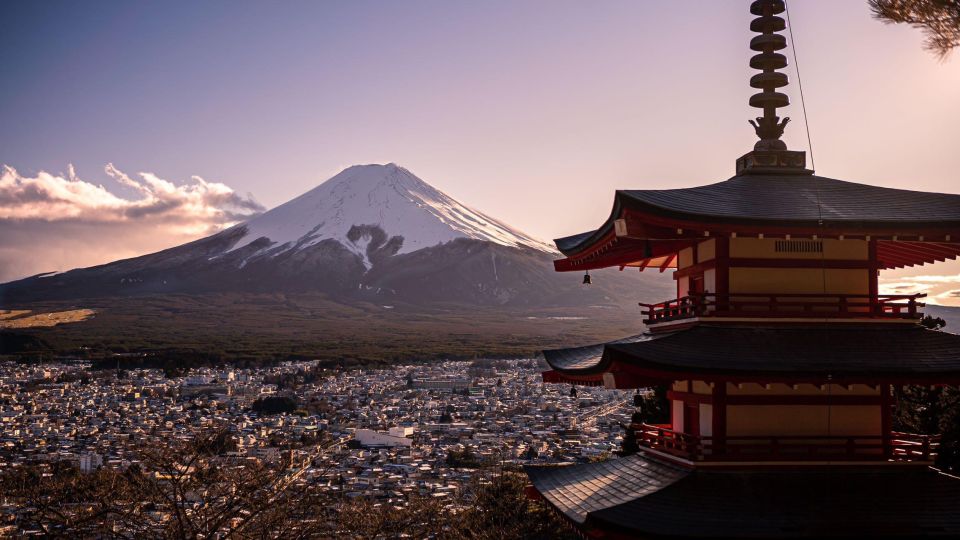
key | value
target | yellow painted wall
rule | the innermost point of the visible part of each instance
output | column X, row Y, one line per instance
column 707, row 250
column 813, row 420
column 700, row 387
column 685, row 258
column 683, row 287
column 676, row 415
column 765, row 248
column 799, row 280
column 706, row 420
column 710, row 280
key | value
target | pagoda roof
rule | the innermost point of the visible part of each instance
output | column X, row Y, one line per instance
column 586, row 357
column 640, row 496
column 852, row 353
column 783, row 201
column 578, row 490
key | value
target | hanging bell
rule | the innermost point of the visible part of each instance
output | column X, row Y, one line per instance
column 587, row 280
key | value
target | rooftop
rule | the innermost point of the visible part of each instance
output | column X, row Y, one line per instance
column 784, row 200
column 814, row 352
column 638, row 495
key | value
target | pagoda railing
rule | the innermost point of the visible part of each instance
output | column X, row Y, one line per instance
column 785, row 305
column 895, row 447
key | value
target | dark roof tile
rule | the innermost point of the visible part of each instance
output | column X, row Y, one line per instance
column 776, row 350
column 642, row 496
column 784, row 200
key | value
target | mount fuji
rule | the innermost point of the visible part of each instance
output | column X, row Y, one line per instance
column 376, row 233
column 362, row 203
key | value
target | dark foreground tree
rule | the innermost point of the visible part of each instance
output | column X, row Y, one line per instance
column 939, row 20
column 182, row 491
column 190, row 490
column 932, row 410
column 501, row 510
column 629, row 445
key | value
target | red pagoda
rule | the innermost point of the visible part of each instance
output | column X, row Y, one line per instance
column 780, row 354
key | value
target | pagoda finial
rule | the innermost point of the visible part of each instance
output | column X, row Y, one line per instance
column 770, row 154
column 769, row 127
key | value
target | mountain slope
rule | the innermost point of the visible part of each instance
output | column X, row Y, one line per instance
column 375, row 233
column 387, row 197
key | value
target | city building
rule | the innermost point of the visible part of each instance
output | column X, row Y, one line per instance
column 395, row 436
column 363, row 433
column 449, row 385
column 780, row 354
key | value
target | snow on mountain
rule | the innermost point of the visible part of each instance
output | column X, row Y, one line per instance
column 386, row 196
column 373, row 233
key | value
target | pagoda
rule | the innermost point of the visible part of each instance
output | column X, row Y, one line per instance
column 780, row 354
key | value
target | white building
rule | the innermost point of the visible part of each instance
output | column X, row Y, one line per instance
column 397, row 436
column 90, row 462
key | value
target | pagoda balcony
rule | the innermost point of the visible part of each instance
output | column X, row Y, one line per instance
column 785, row 306
column 897, row 447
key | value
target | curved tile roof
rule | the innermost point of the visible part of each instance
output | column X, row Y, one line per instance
column 641, row 496
column 817, row 351
column 577, row 490
column 846, row 502
column 784, row 200
column 585, row 357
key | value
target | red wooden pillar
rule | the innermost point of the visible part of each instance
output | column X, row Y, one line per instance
column 886, row 418
column 723, row 273
column 874, row 269
column 719, row 426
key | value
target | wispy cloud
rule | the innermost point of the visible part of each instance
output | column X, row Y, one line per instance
column 60, row 221
column 899, row 287
column 939, row 288
column 933, row 279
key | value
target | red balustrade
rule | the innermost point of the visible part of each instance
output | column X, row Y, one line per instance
column 895, row 447
column 781, row 305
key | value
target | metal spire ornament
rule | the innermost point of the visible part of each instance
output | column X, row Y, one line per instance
column 770, row 154
column 769, row 127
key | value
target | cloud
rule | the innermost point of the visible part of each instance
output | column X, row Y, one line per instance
column 199, row 206
column 904, row 288
column 57, row 222
column 933, row 279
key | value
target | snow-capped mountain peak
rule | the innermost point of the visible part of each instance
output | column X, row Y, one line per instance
column 362, row 198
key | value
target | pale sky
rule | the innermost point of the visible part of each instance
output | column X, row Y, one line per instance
column 532, row 111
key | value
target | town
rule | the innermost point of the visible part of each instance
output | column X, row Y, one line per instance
column 378, row 434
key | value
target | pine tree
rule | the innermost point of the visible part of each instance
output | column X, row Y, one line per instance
column 939, row 20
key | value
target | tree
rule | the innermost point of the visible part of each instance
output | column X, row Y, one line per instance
column 530, row 453
column 177, row 492
column 654, row 407
column 932, row 323
column 501, row 509
column 274, row 405
column 948, row 455
column 932, row 410
column 462, row 459
column 629, row 444
column 939, row 20
column 419, row 517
